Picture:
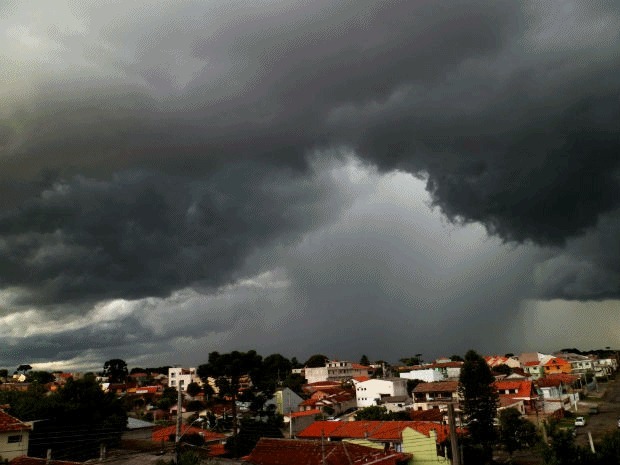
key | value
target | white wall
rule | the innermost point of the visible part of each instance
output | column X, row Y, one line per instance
column 367, row 392
column 427, row 376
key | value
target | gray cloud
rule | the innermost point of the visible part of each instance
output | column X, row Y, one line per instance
column 149, row 149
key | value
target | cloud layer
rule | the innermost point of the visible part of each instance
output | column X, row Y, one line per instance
column 149, row 149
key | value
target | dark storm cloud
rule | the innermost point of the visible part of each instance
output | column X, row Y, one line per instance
column 144, row 234
column 161, row 162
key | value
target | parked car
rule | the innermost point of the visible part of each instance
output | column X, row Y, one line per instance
column 580, row 421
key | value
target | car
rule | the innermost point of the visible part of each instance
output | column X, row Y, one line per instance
column 618, row 422
column 580, row 421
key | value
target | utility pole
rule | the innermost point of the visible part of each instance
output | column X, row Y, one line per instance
column 177, row 441
column 456, row 456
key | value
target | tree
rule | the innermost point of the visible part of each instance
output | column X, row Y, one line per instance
column 364, row 361
column 411, row 385
column 316, row 361
column 372, row 413
column 411, row 361
column 456, row 358
column 502, row 369
column 4, row 373
column 251, row 431
column 116, row 370
column 40, row 377
column 515, row 432
column 480, row 400
column 227, row 369
column 193, row 389
column 23, row 368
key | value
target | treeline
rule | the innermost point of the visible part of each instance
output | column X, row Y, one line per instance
column 73, row 421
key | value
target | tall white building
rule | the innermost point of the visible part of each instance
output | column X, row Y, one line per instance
column 370, row 392
column 335, row 370
column 182, row 376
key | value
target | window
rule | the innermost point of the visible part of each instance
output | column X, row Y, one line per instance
column 15, row 438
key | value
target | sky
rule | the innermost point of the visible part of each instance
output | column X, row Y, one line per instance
column 380, row 178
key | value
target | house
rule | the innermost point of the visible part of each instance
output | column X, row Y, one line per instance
column 435, row 395
column 449, row 369
column 423, row 439
column 339, row 400
column 298, row 421
column 182, row 376
column 555, row 392
column 285, row 401
column 556, row 365
column 497, row 360
column 397, row 403
column 14, row 435
column 534, row 369
column 372, row 391
column 336, row 370
column 519, row 394
column 270, row 451
column 579, row 363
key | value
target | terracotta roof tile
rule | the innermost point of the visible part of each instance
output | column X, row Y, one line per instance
column 163, row 434
column 10, row 423
column 437, row 386
column 269, row 451
column 372, row 430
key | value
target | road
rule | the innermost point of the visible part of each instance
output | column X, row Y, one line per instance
column 608, row 401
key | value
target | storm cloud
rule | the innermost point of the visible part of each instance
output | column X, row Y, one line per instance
column 150, row 149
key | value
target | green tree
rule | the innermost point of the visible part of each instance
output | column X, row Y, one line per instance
column 411, row 361
column 251, row 431
column 116, row 370
column 456, row 358
column 364, row 361
column 40, row 377
column 4, row 373
column 502, row 369
column 480, row 400
column 373, row 413
column 515, row 432
column 316, row 361
column 295, row 382
column 411, row 385
column 227, row 369
column 23, row 368
column 193, row 389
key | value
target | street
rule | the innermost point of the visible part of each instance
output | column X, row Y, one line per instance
column 608, row 401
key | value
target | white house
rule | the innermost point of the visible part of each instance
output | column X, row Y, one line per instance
column 182, row 376
column 335, row 370
column 14, row 436
column 428, row 375
column 370, row 392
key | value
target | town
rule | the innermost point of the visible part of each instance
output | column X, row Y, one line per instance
column 242, row 408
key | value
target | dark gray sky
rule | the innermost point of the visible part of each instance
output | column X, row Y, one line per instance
column 354, row 177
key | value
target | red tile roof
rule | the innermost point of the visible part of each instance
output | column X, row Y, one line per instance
column 556, row 379
column 306, row 413
column 372, row 430
column 524, row 388
column 163, row 434
column 271, row 451
column 10, row 423
column 437, row 386
column 426, row 415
